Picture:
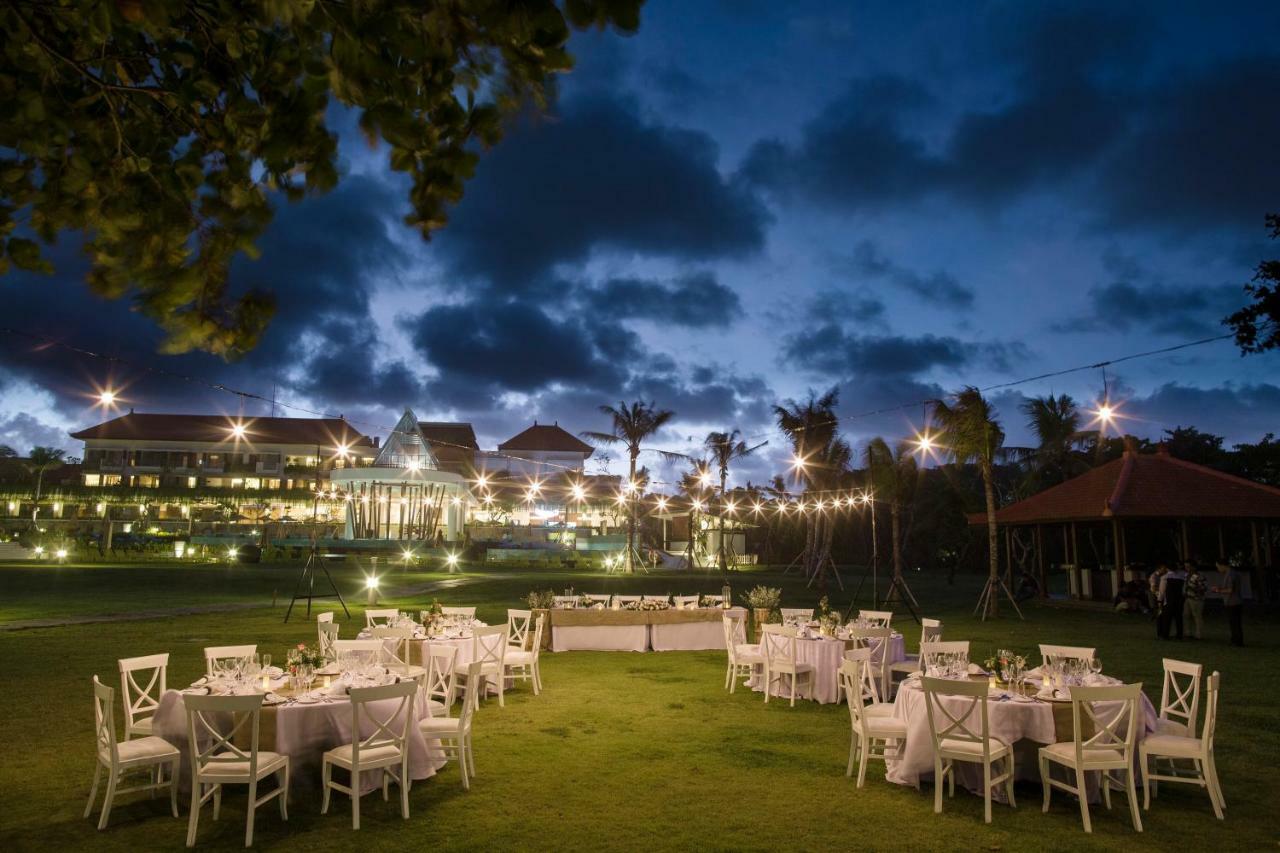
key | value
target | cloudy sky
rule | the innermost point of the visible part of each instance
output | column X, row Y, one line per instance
column 749, row 200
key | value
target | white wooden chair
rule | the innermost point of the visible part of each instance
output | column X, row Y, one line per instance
column 626, row 599
column 489, row 647
column 930, row 652
column 877, row 640
column 370, row 651
column 1111, row 713
column 141, row 700
column 217, row 653
column 148, row 752
column 441, row 684
column 960, row 737
column 870, row 686
column 565, row 602
column 1051, row 653
column 217, row 761
column 326, row 616
column 327, row 633
column 385, row 748
column 379, row 616
column 797, row 614
column 399, row 657
column 685, row 602
column 716, row 600
column 1179, row 698
column 871, row 737
column 880, row 618
column 459, row 611
column 930, row 632
column 598, row 599
column 518, row 623
column 665, row 599
column 454, row 733
column 524, row 663
column 1198, row 751
column 744, row 657
column 778, row 648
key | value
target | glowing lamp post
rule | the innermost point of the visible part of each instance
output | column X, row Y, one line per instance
column 371, row 586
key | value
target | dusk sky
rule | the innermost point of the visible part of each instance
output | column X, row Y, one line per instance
column 745, row 201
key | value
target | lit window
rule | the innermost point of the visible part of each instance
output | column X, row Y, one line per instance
column 92, row 480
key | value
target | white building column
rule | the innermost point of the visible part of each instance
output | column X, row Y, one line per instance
column 453, row 521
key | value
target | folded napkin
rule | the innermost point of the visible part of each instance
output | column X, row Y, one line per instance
column 196, row 691
column 273, row 699
column 974, row 669
column 204, row 679
column 273, row 671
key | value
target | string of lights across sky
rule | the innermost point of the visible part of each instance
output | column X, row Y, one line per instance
column 925, row 442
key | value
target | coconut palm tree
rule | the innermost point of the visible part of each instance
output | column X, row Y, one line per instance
column 632, row 426
column 7, row 452
column 41, row 460
column 1057, row 456
column 892, row 473
column 971, row 434
column 726, row 448
column 821, row 462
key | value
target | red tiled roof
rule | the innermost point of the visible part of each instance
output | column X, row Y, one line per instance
column 543, row 437
column 449, row 434
column 322, row 432
column 1144, row 486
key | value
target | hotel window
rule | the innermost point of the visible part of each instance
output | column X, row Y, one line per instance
column 253, row 483
column 92, row 480
column 191, row 482
column 110, row 479
column 148, row 481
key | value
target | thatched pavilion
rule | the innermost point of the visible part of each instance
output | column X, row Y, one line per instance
column 1110, row 523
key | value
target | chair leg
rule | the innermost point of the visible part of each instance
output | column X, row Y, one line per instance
column 93, row 791
column 853, row 745
column 252, row 807
column 794, row 677
column 1084, row 800
column 355, row 799
column 403, row 782
column 173, row 785
column 1044, row 782
column 986, row 790
column 1105, row 781
column 1145, row 763
column 471, row 756
column 326, row 774
column 217, row 801
column 939, row 779
column 282, row 779
column 1133, row 799
column 1008, row 783
column 193, row 818
column 1217, row 784
column 462, row 762
column 728, row 675
column 111, row 795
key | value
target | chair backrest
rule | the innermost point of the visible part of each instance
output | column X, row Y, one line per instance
column 215, row 653
column 328, row 634
column 401, row 651
column 474, row 682
column 930, row 631
column 930, row 623
column 104, row 721
column 685, row 602
column 387, row 725
column 1212, row 688
column 538, row 627
column 442, row 676
column 565, row 602
column 778, row 644
column 518, row 627
column 379, row 616
column 459, row 611
column 716, row 600
column 140, row 701
column 735, row 631
column 326, row 616
column 870, row 687
column 370, row 650
column 876, row 617
column 929, row 651
column 599, row 599
column 964, row 725
column 1051, row 653
column 211, row 742
column 803, row 614
column 489, row 645
column 626, row 599
column 1180, row 696
column 852, row 676
column 1111, row 714
column 663, row 598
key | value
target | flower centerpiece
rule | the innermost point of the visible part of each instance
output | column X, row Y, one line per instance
column 646, row 604
column 1006, row 665
column 541, row 599
column 585, row 603
column 705, row 600
column 828, row 619
column 764, row 601
column 303, row 655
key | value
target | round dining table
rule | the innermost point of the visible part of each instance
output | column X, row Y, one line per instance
column 826, row 654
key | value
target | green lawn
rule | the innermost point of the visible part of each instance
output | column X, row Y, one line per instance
column 622, row 751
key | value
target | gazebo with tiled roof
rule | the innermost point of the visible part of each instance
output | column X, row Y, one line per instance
column 1144, row 493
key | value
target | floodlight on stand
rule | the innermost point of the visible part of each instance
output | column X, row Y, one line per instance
column 61, row 553
column 451, row 560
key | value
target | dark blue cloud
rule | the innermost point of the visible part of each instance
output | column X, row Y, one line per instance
column 939, row 287
column 697, row 300
column 828, row 349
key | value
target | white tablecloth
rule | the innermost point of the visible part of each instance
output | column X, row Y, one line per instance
column 602, row 638
column 305, row 733
column 826, row 654
column 690, row 636
column 1024, row 725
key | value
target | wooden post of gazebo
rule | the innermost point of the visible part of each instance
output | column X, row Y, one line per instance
column 1040, row 559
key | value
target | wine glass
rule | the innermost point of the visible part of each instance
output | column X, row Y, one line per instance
column 1095, row 665
column 266, row 661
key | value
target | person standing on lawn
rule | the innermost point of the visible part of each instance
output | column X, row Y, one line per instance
column 1172, row 584
column 1153, row 589
column 1194, row 590
column 1232, row 600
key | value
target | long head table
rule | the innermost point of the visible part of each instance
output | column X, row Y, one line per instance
column 634, row 630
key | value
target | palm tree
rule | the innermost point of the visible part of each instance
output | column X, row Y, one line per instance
column 41, row 460
column 7, row 452
column 893, row 473
column 632, row 426
column 726, row 448
column 972, row 434
column 1057, row 456
column 822, row 460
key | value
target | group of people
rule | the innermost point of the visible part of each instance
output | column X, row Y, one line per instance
column 1177, row 596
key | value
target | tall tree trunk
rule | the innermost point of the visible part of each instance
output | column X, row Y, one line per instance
column 993, row 548
column 724, row 558
column 631, row 517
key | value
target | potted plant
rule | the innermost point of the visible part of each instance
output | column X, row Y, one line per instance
column 763, row 601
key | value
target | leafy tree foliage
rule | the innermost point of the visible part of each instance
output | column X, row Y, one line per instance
column 163, row 130
column 1257, row 326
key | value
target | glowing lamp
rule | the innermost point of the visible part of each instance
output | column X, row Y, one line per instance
column 39, row 549
column 451, row 560
column 107, row 397
column 61, row 553
column 371, row 582
column 237, row 431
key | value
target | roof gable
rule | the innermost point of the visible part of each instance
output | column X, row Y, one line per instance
column 322, row 432
column 449, row 435
column 541, row 437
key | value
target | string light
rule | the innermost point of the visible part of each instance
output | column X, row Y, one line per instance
column 237, row 430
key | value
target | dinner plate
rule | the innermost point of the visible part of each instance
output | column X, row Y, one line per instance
column 307, row 700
